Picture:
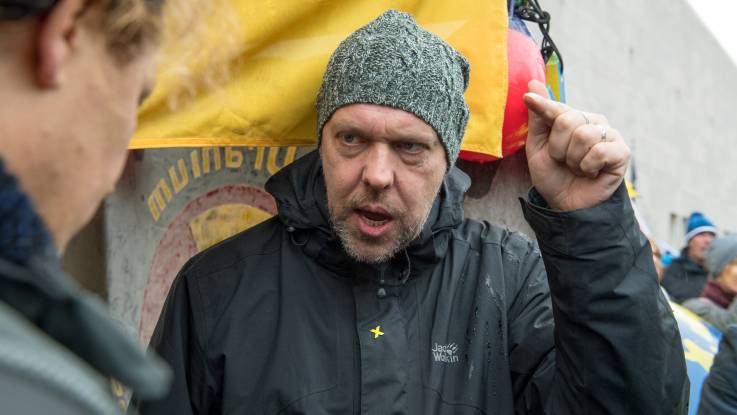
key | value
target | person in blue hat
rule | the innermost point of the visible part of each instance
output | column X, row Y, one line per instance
column 686, row 276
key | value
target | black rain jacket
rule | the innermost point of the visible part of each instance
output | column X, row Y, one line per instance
column 278, row 320
column 684, row 279
column 719, row 393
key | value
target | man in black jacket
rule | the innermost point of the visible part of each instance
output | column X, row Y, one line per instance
column 686, row 276
column 370, row 293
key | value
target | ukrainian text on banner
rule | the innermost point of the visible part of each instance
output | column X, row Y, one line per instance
column 251, row 74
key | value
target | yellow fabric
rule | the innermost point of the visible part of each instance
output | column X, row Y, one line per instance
column 224, row 221
column 631, row 189
column 275, row 57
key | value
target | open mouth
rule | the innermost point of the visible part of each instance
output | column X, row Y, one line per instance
column 374, row 218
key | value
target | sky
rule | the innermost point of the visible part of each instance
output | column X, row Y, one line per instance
column 719, row 16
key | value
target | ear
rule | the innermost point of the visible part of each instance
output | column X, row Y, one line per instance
column 54, row 43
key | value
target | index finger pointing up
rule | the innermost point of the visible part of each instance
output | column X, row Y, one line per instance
column 542, row 110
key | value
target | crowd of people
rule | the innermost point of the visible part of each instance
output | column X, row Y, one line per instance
column 703, row 279
column 369, row 292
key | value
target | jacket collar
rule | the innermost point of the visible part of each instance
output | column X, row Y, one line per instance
column 23, row 233
column 301, row 197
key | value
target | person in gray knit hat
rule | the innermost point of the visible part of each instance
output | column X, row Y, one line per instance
column 716, row 303
column 721, row 252
column 371, row 293
column 393, row 62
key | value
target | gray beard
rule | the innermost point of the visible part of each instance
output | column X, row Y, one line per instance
column 407, row 234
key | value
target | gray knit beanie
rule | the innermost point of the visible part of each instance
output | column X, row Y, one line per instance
column 721, row 252
column 392, row 61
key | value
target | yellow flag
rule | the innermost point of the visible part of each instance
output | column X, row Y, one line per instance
column 272, row 55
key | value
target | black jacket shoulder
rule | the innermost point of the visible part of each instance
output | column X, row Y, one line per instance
column 262, row 239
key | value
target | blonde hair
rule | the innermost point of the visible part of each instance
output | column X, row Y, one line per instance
column 188, row 62
column 131, row 26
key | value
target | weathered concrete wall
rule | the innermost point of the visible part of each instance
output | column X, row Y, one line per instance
column 506, row 185
column 172, row 204
column 85, row 256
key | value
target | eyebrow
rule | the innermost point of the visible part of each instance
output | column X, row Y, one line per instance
column 411, row 136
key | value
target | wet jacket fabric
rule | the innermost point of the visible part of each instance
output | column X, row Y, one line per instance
column 719, row 393
column 684, row 278
column 278, row 320
column 58, row 346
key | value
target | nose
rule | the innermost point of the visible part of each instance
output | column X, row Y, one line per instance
column 378, row 171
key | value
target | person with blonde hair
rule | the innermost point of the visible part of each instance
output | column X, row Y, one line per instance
column 73, row 74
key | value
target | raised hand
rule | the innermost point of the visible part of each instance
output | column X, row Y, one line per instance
column 576, row 159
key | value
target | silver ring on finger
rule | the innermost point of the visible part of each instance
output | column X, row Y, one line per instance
column 583, row 114
column 603, row 133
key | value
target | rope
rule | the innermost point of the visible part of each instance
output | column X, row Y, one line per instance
column 530, row 10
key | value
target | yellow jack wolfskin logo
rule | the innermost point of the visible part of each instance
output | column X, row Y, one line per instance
column 377, row 332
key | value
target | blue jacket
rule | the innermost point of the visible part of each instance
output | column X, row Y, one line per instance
column 684, row 278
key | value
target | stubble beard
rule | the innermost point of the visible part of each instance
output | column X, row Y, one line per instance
column 375, row 250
